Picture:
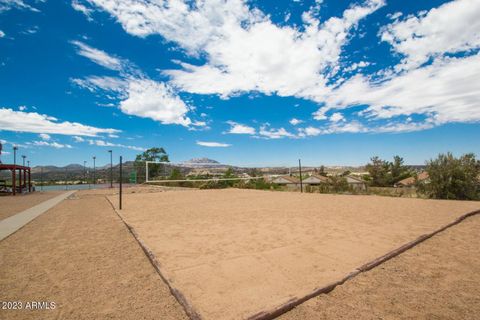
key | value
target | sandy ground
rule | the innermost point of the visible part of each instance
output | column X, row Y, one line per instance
column 234, row 253
column 438, row 279
column 10, row 205
column 81, row 256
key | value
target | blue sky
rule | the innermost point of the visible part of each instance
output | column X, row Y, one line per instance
column 242, row 82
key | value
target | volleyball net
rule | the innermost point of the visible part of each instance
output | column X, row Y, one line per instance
column 199, row 174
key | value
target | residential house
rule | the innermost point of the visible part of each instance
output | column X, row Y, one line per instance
column 356, row 183
column 288, row 181
column 315, row 180
column 409, row 182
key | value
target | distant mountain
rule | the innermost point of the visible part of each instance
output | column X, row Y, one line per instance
column 202, row 161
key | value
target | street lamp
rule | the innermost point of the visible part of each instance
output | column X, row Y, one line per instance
column 24, row 160
column 94, row 180
column 15, row 148
column 111, row 169
column 28, row 163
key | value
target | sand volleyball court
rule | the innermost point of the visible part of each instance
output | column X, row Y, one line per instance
column 233, row 254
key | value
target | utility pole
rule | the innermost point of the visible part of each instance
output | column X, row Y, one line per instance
column 111, row 169
column 120, row 191
column 41, row 178
column 94, row 179
column 300, row 170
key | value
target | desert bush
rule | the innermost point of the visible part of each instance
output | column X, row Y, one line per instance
column 452, row 178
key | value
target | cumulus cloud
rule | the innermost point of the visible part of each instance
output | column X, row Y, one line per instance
column 55, row 145
column 336, row 117
column 45, row 136
column 139, row 95
column 2, row 34
column 451, row 28
column 295, row 121
column 103, row 143
column 446, row 91
column 245, row 50
column 78, row 139
column 309, row 131
column 213, row 144
column 272, row 133
column 155, row 100
column 19, row 121
column 237, row 128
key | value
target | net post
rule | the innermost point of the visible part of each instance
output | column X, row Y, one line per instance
column 120, row 186
column 146, row 171
column 300, row 170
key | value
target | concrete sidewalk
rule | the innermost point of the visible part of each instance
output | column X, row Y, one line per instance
column 15, row 222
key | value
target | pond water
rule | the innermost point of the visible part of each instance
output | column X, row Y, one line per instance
column 74, row 187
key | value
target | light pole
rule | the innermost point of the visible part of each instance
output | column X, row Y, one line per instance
column 28, row 163
column 84, row 171
column 111, row 169
column 94, row 170
column 24, row 160
column 15, row 148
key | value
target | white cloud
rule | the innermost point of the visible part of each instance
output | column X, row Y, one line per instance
column 295, row 121
column 336, row 117
column 98, row 56
column 336, row 127
column 213, row 144
column 237, row 128
column 356, row 65
column 11, row 120
column 78, row 139
column 271, row 133
column 155, row 100
column 2, row 34
column 446, row 91
column 44, row 136
column 245, row 51
column 347, row 127
column 22, row 108
column 6, row 5
column 102, row 143
column 139, row 95
column 76, row 5
column 453, row 27
column 94, row 83
column 143, row 98
column 50, row 144
column 310, row 131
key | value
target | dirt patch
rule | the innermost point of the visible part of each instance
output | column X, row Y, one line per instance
column 80, row 256
column 438, row 279
column 10, row 205
column 236, row 253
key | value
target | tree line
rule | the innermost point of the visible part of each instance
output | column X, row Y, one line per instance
column 449, row 177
